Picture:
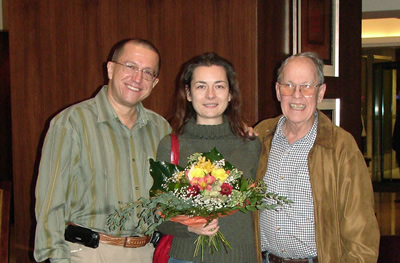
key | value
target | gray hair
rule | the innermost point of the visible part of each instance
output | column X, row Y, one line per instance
column 319, row 65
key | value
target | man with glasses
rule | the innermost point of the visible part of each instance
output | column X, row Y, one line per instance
column 319, row 167
column 96, row 154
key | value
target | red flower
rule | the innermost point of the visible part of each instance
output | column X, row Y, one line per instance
column 226, row 189
column 193, row 191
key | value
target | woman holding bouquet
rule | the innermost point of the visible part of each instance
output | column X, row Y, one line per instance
column 206, row 115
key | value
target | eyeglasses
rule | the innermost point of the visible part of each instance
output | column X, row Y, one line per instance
column 133, row 69
column 287, row 89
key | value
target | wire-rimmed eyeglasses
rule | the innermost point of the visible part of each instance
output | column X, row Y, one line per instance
column 287, row 89
column 133, row 69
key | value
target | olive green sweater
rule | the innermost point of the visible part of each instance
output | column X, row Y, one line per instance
column 237, row 228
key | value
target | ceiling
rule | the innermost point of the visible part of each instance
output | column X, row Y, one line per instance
column 380, row 23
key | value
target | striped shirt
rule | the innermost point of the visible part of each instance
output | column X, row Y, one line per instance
column 91, row 161
column 289, row 232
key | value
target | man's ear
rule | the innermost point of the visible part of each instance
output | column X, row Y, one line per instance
column 278, row 92
column 188, row 95
column 110, row 69
column 321, row 92
column 155, row 82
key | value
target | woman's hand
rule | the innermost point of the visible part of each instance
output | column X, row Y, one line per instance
column 250, row 131
column 207, row 229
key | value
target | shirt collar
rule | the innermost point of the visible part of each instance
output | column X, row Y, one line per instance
column 107, row 113
column 309, row 137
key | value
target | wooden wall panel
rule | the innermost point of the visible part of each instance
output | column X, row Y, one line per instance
column 274, row 38
column 195, row 27
column 348, row 86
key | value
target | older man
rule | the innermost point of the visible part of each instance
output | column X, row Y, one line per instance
column 96, row 154
column 318, row 166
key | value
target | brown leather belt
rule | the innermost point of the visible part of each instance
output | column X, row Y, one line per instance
column 276, row 259
column 129, row 242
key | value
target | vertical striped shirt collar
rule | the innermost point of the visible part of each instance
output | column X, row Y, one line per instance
column 107, row 113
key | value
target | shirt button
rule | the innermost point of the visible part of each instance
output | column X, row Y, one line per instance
column 133, row 159
column 137, row 188
column 283, row 250
column 278, row 228
column 282, row 177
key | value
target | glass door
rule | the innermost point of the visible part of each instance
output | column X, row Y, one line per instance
column 386, row 105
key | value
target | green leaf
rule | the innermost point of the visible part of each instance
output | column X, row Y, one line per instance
column 160, row 171
column 213, row 155
column 243, row 210
column 251, row 208
column 259, row 207
column 243, row 184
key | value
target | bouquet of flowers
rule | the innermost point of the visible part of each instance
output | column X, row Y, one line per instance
column 209, row 187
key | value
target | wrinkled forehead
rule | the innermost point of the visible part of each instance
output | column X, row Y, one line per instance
column 300, row 67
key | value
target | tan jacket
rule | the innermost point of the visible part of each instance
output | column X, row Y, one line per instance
column 346, row 229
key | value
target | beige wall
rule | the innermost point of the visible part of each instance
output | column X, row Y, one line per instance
column 382, row 5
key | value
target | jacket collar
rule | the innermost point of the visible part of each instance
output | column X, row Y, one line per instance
column 324, row 131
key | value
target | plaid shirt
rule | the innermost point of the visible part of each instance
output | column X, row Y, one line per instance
column 289, row 231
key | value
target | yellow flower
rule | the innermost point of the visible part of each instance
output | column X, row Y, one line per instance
column 206, row 165
column 179, row 175
column 196, row 173
column 219, row 174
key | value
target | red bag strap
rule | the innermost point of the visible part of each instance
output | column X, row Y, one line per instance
column 174, row 149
